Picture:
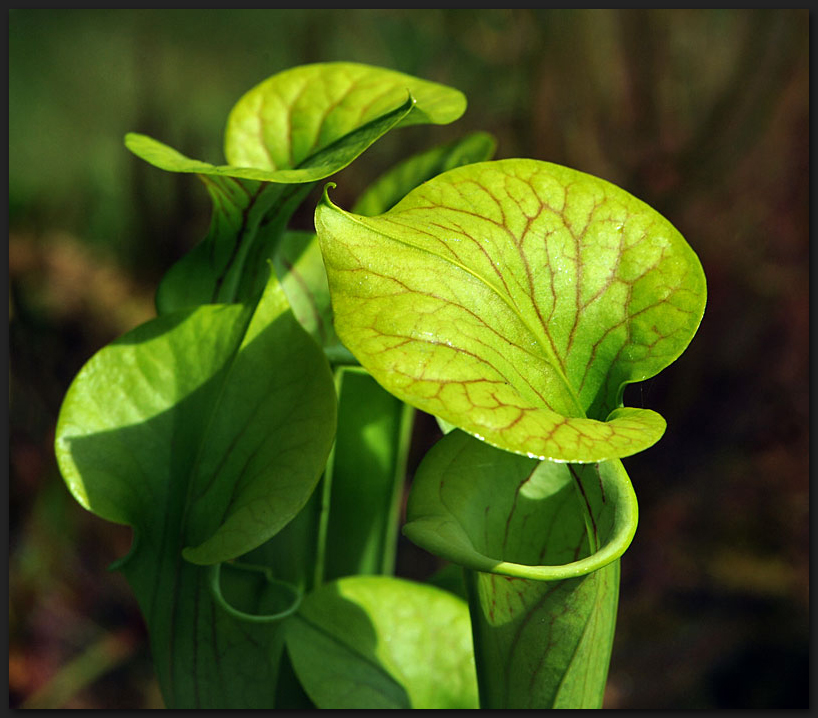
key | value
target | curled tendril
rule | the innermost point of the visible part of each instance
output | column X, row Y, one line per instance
column 215, row 587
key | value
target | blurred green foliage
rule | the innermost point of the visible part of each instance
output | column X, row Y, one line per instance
column 704, row 114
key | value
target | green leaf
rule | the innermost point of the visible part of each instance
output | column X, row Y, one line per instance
column 298, row 261
column 308, row 122
column 366, row 472
column 350, row 524
column 220, row 415
column 541, row 542
column 491, row 510
column 515, row 299
column 295, row 554
column 393, row 186
column 295, row 114
column 381, row 642
column 217, row 636
column 326, row 161
column 206, row 431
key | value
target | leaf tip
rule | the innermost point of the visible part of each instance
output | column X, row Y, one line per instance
column 130, row 139
column 325, row 196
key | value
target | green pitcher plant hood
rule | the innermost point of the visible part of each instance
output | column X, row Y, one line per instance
column 308, row 122
column 515, row 299
column 295, row 128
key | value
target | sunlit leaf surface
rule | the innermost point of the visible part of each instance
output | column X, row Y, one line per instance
column 515, row 299
column 310, row 121
column 380, row 642
column 295, row 114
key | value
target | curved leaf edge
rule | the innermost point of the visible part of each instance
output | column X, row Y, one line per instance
column 72, row 477
column 424, row 531
column 169, row 159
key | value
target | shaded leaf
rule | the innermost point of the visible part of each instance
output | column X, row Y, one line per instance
column 295, row 554
column 226, row 414
column 207, row 431
column 393, row 186
column 213, row 645
column 515, row 299
column 380, row 642
column 543, row 644
column 300, row 269
column 230, row 264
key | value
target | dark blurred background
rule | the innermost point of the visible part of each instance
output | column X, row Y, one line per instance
column 704, row 114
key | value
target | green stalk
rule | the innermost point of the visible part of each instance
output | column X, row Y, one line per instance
column 366, row 473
